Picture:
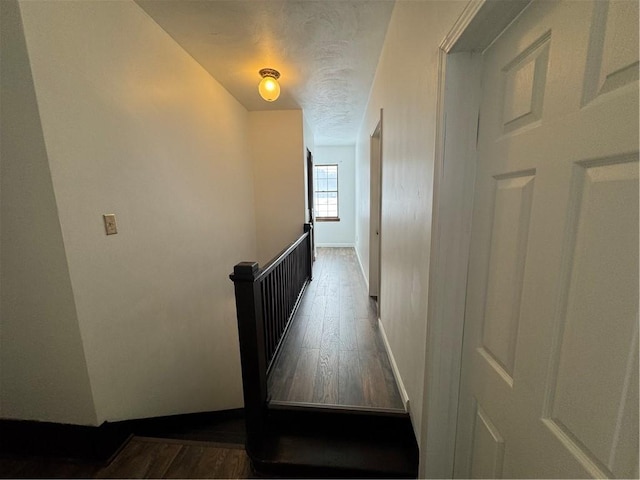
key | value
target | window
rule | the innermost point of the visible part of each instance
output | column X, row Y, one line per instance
column 325, row 181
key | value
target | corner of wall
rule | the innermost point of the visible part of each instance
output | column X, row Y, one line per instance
column 44, row 372
column 277, row 140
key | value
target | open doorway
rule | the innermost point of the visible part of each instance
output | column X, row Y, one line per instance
column 375, row 212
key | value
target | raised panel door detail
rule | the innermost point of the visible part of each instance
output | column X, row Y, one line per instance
column 594, row 392
column 512, row 207
column 488, row 448
column 613, row 49
column 550, row 346
column 525, row 78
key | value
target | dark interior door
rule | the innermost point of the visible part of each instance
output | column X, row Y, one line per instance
column 310, row 199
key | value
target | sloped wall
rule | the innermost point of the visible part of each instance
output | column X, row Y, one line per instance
column 43, row 372
column 134, row 126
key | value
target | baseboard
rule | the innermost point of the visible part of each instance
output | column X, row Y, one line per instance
column 335, row 408
column 366, row 280
column 77, row 442
column 335, row 245
column 394, row 367
column 101, row 444
column 225, row 426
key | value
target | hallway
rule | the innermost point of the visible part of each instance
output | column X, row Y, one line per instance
column 334, row 353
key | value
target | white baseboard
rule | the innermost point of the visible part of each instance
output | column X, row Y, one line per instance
column 335, row 245
column 394, row 367
column 366, row 280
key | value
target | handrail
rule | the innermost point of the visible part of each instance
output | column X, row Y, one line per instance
column 275, row 261
column 266, row 301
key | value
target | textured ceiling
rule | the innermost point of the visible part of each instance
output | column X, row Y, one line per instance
column 326, row 51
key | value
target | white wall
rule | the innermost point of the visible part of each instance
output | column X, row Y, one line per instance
column 405, row 87
column 44, row 373
column 134, row 126
column 342, row 233
column 277, row 146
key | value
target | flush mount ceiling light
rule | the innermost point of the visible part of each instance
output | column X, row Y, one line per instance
column 269, row 88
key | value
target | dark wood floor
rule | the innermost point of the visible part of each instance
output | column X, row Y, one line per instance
column 333, row 353
column 143, row 458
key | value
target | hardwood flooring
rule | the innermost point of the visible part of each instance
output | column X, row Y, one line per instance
column 333, row 353
column 143, row 458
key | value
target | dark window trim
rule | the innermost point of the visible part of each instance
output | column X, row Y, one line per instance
column 327, row 219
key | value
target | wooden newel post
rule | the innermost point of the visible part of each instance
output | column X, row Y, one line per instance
column 252, row 350
column 308, row 228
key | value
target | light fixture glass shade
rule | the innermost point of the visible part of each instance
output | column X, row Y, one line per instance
column 269, row 88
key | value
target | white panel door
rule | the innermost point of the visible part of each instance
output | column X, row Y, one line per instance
column 550, row 363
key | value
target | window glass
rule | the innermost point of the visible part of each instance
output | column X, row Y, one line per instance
column 325, row 182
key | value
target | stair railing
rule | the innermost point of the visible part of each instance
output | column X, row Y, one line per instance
column 266, row 301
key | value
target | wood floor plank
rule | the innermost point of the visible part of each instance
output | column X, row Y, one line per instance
column 317, row 309
column 337, row 316
column 373, row 382
column 298, row 329
column 333, row 291
column 350, row 387
column 395, row 400
column 347, row 312
column 367, row 334
column 303, row 383
column 202, row 461
column 325, row 388
column 306, row 303
column 348, row 336
column 364, row 308
column 141, row 459
column 281, row 377
column 330, row 333
column 313, row 335
column 332, row 307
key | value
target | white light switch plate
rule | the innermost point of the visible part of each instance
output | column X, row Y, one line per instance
column 110, row 223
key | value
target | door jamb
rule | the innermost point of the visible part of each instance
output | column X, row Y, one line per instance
column 478, row 26
column 375, row 284
column 311, row 200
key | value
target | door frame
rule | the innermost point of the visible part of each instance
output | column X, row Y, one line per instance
column 311, row 194
column 457, row 114
column 375, row 211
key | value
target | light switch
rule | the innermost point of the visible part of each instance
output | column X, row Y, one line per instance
column 110, row 223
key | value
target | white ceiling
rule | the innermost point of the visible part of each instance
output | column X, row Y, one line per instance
column 325, row 50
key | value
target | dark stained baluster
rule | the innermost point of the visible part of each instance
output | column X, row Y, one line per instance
column 285, row 291
column 279, row 298
column 267, row 314
column 289, row 287
column 280, row 304
column 292, row 281
column 274, row 311
column 307, row 229
column 276, row 301
column 274, row 306
column 273, row 319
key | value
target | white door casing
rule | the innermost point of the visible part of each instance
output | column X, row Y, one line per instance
column 550, row 359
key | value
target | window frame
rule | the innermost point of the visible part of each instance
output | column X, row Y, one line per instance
column 337, row 192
